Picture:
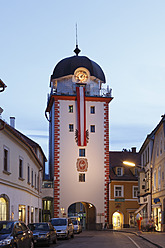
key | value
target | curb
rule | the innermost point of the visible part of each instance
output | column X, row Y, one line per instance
column 135, row 233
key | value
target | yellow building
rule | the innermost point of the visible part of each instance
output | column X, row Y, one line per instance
column 123, row 200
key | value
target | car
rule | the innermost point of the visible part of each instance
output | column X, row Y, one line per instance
column 15, row 234
column 43, row 232
column 77, row 225
column 64, row 227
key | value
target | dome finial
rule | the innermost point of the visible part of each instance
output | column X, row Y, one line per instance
column 77, row 50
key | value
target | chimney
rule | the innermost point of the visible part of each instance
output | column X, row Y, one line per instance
column 12, row 122
column 133, row 149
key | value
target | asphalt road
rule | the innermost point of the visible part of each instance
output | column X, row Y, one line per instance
column 103, row 239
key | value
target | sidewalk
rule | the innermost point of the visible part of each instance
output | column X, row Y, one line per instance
column 156, row 238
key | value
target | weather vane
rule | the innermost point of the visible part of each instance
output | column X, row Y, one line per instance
column 77, row 50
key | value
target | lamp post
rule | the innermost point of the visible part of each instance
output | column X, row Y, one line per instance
column 138, row 217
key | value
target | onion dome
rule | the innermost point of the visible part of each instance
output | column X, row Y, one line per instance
column 68, row 65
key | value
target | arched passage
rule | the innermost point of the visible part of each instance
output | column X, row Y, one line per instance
column 86, row 212
column 117, row 220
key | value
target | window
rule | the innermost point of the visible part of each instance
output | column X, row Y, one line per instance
column 28, row 174
column 6, row 160
column 32, row 179
column 92, row 128
column 136, row 172
column 71, row 128
column 20, row 168
column 161, row 145
column 154, row 180
column 119, row 171
column 159, row 178
column 157, row 150
column 81, row 177
column 81, row 152
column 35, row 181
column 135, row 191
column 118, row 191
column 92, row 109
column 70, row 108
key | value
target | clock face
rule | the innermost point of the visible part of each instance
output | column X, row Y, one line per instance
column 81, row 76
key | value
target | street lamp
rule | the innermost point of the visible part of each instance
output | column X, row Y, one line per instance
column 129, row 163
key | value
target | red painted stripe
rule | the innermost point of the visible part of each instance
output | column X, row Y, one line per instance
column 78, row 115
column 85, row 141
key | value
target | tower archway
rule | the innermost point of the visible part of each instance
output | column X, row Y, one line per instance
column 86, row 212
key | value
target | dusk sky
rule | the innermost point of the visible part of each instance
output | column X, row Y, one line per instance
column 125, row 37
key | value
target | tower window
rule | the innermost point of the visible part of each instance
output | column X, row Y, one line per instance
column 92, row 128
column 81, row 177
column 71, row 128
column 81, row 152
column 92, row 109
column 70, row 108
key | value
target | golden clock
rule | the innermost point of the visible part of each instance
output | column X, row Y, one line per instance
column 81, row 76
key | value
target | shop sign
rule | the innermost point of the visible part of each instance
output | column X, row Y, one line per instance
column 156, row 200
column 119, row 200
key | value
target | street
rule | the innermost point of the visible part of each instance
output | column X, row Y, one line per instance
column 103, row 239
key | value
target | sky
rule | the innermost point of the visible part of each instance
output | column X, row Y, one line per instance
column 125, row 37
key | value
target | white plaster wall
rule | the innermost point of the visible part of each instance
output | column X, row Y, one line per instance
column 18, row 191
column 92, row 190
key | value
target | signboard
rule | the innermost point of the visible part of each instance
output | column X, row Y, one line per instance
column 119, row 200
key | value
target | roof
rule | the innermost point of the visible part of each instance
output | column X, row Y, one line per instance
column 116, row 159
column 32, row 145
column 68, row 65
column 152, row 134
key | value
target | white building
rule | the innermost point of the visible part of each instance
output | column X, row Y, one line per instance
column 22, row 163
column 78, row 109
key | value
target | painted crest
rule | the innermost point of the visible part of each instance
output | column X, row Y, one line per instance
column 82, row 164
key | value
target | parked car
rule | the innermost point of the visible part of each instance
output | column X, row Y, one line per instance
column 43, row 233
column 64, row 227
column 15, row 234
column 77, row 225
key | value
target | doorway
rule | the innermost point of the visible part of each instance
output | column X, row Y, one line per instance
column 117, row 220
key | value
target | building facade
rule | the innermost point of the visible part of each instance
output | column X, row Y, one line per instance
column 152, row 199
column 78, row 109
column 123, row 197
column 22, row 162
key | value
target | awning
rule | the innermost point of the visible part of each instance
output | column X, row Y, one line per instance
column 139, row 209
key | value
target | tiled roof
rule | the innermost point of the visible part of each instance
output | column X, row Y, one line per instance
column 116, row 159
column 27, row 141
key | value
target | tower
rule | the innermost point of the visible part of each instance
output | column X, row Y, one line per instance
column 78, row 108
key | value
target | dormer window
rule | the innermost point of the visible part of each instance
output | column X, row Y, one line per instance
column 119, row 171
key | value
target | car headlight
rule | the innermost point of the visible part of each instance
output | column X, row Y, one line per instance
column 6, row 241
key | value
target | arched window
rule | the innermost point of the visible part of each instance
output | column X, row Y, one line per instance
column 3, row 209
